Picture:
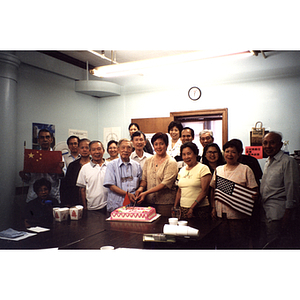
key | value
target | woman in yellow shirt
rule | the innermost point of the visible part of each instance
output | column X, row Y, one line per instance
column 193, row 184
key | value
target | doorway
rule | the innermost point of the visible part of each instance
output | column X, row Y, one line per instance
column 214, row 119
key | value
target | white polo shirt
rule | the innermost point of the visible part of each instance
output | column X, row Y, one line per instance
column 140, row 160
column 91, row 176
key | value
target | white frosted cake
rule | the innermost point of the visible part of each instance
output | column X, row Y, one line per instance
column 133, row 214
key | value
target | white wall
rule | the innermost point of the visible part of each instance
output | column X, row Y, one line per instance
column 254, row 89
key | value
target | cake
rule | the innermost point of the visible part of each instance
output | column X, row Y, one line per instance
column 143, row 214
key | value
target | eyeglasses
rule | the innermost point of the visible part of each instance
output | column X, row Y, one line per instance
column 44, row 137
column 212, row 152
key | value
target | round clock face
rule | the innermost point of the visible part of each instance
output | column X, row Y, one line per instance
column 194, row 93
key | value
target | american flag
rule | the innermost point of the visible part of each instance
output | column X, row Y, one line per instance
column 235, row 195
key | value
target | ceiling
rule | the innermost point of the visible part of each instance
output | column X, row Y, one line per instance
column 80, row 58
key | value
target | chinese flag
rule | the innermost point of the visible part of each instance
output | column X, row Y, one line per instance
column 126, row 200
column 42, row 161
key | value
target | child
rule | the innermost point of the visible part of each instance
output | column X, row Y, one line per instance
column 39, row 210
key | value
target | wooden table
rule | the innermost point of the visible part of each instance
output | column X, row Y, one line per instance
column 94, row 231
column 61, row 233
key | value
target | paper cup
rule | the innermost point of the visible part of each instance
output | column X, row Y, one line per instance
column 170, row 229
column 107, row 248
column 182, row 223
column 180, row 230
column 173, row 221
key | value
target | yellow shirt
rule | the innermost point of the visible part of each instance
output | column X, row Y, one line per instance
column 189, row 182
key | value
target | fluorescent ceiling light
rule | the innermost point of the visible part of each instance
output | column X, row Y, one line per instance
column 137, row 67
column 112, row 59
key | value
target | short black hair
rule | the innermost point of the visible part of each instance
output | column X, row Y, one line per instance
column 73, row 137
column 111, row 142
column 138, row 133
column 239, row 142
column 135, row 124
column 176, row 124
column 235, row 144
column 190, row 145
column 45, row 130
column 191, row 129
column 220, row 160
column 160, row 135
column 41, row 182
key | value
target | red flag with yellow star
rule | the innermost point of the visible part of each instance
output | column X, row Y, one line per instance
column 42, row 161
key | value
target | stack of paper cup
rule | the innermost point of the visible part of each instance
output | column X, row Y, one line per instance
column 180, row 230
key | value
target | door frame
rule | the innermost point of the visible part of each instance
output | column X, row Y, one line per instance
column 208, row 112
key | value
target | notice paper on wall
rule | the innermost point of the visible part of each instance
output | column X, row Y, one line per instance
column 111, row 133
column 80, row 133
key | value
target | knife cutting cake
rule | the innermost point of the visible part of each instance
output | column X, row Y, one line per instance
column 133, row 214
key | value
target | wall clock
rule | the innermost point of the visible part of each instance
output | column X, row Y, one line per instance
column 194, row 93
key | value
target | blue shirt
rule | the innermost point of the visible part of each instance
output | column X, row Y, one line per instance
column 126, row 176
column 279, row 186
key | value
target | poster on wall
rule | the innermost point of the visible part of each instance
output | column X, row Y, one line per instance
column 82, row 134
column 36, row 127
column 111, row 133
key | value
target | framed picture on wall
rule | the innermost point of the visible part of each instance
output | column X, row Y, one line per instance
column 36, row 127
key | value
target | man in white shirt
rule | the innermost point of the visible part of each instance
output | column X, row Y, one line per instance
column 138, row 139
column 90, row 179
column 279, row 191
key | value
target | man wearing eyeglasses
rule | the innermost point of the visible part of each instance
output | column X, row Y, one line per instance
column 73, row 143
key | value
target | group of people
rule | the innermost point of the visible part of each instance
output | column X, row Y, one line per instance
column 171, row 174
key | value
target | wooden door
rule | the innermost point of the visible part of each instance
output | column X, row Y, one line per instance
column 153, row 125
